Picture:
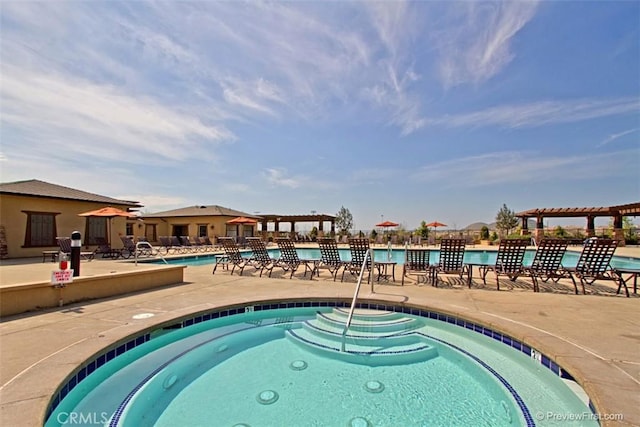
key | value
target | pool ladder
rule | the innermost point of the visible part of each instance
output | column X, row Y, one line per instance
column 367, row 254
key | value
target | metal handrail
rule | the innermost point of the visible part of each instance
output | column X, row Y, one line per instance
column 147, row 245
column 355, row 295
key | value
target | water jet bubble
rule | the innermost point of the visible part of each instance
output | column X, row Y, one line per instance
column 267, row 397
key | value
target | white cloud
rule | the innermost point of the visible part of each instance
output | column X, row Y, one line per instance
column 279, row 178
column 99, row 120
column 615, row 136
column 541, row 113
column 475, row 44
column 510, row 167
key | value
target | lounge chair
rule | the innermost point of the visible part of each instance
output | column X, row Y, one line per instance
column 64, row 244
column 130, row 248
column 187, row 246
column 358, row 249
column 289, row 259
column 508, row 261
column 416, row 262
column 170, row 244
column 261, row 259
column 103, row 247
column 233, row 256
column 547, row 262
column 451, row 260
column 594, row 263
column 330, row 257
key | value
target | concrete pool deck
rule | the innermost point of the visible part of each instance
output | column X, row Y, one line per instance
column 596, row 338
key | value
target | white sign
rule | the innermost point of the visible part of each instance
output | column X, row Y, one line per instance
column 61, row 276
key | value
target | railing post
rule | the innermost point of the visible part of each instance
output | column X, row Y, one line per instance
column 355, row 294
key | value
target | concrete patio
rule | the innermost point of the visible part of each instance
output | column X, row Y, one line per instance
column 596, row 338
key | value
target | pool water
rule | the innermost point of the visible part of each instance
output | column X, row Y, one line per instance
column 570, row 258
column 289, row 367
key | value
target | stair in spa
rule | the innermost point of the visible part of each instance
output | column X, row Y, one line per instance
column 368, row 321
column 373, row 338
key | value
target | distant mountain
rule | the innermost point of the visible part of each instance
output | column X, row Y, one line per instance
column 477, row 226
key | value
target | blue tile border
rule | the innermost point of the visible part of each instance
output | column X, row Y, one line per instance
column 118, row 349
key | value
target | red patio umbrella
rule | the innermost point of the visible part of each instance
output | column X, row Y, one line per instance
column 387, row 224
column 436, row 224
column 242, row 220
column 109, row 212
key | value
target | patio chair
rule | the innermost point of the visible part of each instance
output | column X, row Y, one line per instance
column 233, row 256
column 416, row 262
column 176, row 244
column 130, row 248
column 289, row 259
column 330, row 257
column 64, row 244
column 547, row 262
column 451, row 260
column 103, row 248
column 170, row 244
column 358, row 249
column 208, row 244
column 508, row 261
column 187, row 246
column 261, row 259
column 594, row 263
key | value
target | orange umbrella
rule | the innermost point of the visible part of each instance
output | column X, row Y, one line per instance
column 436, row 224
column 109, row 212
column 242, row 220
column 387, row 224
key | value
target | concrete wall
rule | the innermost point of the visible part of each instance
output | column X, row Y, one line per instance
column 20, row 298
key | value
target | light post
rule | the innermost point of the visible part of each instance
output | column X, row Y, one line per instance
column 76, row 243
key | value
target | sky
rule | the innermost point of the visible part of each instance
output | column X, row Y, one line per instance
column 399, row 111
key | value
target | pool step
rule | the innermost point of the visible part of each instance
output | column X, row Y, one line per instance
column 394, row 322
column 372, row 339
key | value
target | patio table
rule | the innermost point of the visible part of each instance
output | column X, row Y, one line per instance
column 632, row 272
column 383, row 270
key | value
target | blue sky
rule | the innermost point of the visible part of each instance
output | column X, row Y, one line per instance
column 397, row 111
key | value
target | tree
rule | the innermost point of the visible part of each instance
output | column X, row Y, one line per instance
column 560, row 232
column 506, row 220
column 344, row 221
column 423, row 230
column 484, row 233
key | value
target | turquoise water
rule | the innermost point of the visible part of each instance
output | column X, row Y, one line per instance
column 570, row 259
column 252, row 370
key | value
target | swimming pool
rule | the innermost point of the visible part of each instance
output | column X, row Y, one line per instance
column 269, row 365
column 570, row 258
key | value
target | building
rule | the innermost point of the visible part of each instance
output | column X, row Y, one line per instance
column 33, row 213
column 210, row 221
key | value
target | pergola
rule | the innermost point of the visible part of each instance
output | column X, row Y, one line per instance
column 616, row 212
column 293, row 219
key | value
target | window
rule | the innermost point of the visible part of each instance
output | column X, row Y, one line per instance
column 41, row 229
column 202, row 230
column 96, row 227
column 129, row 229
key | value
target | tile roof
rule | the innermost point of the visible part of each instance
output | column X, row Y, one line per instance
column 211, row 210
column 36, row 188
